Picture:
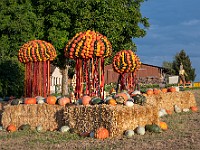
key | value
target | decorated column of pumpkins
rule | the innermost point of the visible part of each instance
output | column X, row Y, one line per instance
column 89, row 49
column 36, row 55
column 126, row 62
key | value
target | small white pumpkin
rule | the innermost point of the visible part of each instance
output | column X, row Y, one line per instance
column 140, row 130
column 129, row 133
column 41, row 101
column 129, row 103
column 38, row 98
column 39, row 128
column 136, row 92
column 64, row 129
column 1, row 128
column 162, row 112
column 177, row 109
column 186, row 109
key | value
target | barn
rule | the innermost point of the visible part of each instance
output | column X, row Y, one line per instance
column 149, row 74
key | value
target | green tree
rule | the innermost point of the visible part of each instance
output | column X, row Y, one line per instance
column 168, row 67
column 183, row 58
column 11, row 77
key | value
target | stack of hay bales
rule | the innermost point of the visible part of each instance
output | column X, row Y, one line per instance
column 50, row 117
column 116, row 119
column 167, row 101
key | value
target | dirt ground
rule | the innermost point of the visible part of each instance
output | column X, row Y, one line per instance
column 183, row 134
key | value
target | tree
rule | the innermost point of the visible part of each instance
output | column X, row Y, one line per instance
column 179, row 58
column 169, row 67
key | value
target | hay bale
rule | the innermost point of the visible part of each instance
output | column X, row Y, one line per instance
column 48, row 116
column 116, row 119
column 184, row 99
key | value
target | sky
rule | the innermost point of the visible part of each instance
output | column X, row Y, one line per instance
column 174, row 25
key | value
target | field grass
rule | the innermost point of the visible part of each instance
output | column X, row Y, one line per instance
column 183, row 134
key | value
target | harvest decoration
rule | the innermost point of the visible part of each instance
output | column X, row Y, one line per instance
column 89, row 49
column 126, row 63
column 36, row 55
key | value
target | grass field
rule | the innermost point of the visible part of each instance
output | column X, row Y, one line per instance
column 183, row 134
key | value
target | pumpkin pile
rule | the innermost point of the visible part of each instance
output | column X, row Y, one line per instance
column 36, row 55
column 89, row 49
column 126, row 63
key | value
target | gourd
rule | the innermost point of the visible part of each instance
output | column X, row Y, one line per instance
column 112, row 102
column 51, row 100
column 86, row 100
column 11, row 128
column 101, row 133
column 153, row 128
column 140, row 130
column 63, row 101
column 139, row 99
column 96, row 101
column 163, row 125
column 64, row 129
column 30, row 101
column 16, row 102
column 119, row 99
column 129, row 133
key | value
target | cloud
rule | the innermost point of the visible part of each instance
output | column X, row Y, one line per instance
column 191, row 22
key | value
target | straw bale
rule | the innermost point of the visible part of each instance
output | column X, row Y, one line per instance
column 49, row 116
column 183, row 99
column 116, row 119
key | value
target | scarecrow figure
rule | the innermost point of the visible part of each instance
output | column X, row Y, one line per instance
column 182, row 75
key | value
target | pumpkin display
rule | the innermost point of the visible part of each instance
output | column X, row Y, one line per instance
column 101, row 133
column 112, row 102
column 153, row 128
column 36, row 55
column 139, row 99
column 30, row 101
column 129, row 133
column 11, row 128
column 129, row 103
column 149, row 92
column 86, row 100
column 51, row 100
column 194, row 108
column 140, row 130
column 64, row 129
column 63, row 101
column 96, row 101
column 163, row 125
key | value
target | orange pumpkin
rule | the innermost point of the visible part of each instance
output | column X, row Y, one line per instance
column 11, row 128
column 172, row 89
column 51, row 100
column 124, row 95
column 112, row 102
column 164, row 90
column 63, row 101
column 149, row 92
column 163, row 125
column 156, row 91
column 101, row 133
column 30, row 101
column 86, row 100
column 194, row 108
column 169, row 112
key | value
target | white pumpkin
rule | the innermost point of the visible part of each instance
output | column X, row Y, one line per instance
column 41, row 101
column 64, row 129
column 177, row 109
column 39, row 98
column 39, row 128
column 140, row 130
column 186, row 109
column 129, row 103
column 1, row 128
column 129, row 133
column 136, row 92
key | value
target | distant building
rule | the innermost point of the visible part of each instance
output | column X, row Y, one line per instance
column 55, row 80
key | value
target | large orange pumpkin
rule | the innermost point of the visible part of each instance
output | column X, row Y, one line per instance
column 11, row 128
column 86, row 100
column 169, row 112
column 164, row 90
column 172, row 89
column 51, row 100
column 163, row 125
column 63, row 101
column 194, row 108
column 156, row 91
column 101, row 133
column 149, row 92
column 30, row 101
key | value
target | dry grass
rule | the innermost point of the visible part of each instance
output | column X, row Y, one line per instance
column 183, row 134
